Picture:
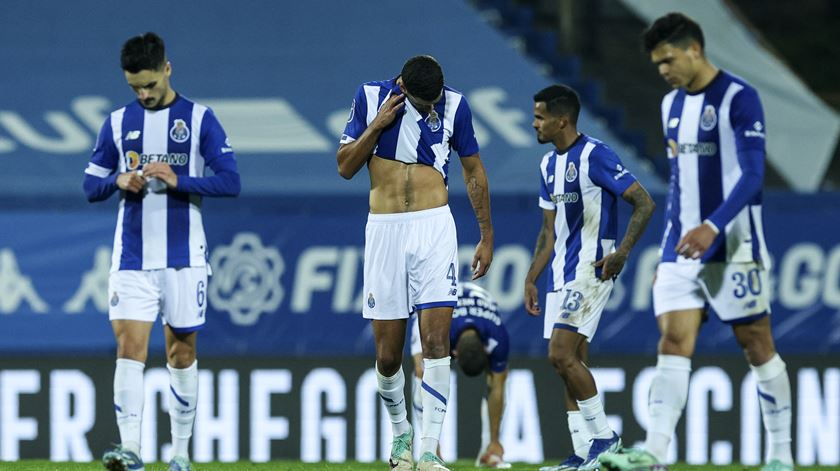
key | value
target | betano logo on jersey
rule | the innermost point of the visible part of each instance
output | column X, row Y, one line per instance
column 699, row 148
column 133, row 160
column 571, row 197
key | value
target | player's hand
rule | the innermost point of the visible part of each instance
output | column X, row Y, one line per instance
column 532, row 299
column 388, row 111
column 482, row 259
column 131, row 181
column 493, row 456
column 611, row 265
column 162, row 171
column 696, row 241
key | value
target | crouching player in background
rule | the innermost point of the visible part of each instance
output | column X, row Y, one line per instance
column 479, row 343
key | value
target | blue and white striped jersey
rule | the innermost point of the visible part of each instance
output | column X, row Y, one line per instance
column 715, row 140
column 582, row 184
column 478, row 310
column 161, row 230
column 415, row 137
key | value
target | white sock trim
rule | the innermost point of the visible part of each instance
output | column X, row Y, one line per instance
column 186, row 370
column 132, row 364
column 674, row 362
column 774, row 367
column 389, row 379
column 433, row 362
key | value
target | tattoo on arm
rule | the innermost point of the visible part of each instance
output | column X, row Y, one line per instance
column 480, row 201
column 643, row 207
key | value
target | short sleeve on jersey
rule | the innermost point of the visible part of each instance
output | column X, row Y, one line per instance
column 357, row 121
column 747, row 118
column 545, row 194
column 463, row 135
column 607, row 171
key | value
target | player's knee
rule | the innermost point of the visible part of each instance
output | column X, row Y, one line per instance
column 131, row 349
column 757, row 341
column 435, row 346
column 562, row 360
column 180, row 357
column 675, row 344
column 388, row 363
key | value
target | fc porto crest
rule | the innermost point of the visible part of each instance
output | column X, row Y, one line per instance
column 115, row 299
column 433, row 120
column 371, row 301
column 708, row 119
column 571, row 172
column 179, row 131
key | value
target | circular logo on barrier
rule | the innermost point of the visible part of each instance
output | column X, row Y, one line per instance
column 246, row 279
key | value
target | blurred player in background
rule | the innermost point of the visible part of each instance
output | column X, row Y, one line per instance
column 713, row 250
column 479, row 343
column 404, row 129
column 154, row 151
column 581, row 180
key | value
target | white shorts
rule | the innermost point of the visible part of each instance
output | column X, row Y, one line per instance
column 179, row 295
column 577, row 306
column 411, row 263
column 737, row 292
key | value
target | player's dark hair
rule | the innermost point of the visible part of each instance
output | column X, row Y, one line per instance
column 673, row 28
column 423, row 77
column 472, row 359
column 143, row 52
column 560, row 100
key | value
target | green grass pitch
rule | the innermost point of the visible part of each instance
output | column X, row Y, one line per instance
column 298, row 466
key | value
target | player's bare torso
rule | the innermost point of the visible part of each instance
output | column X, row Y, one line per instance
column 397, row 187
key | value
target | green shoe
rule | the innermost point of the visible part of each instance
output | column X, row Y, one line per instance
column 401, row 459
column 630, row 459
column 431, row 462
column 777, row 465
column 179, row 463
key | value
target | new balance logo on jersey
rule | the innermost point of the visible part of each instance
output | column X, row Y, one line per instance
column 132, row 135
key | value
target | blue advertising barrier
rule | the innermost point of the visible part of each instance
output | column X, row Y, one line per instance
column 288, row 274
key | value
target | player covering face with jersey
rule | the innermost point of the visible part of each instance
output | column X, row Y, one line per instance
column 404, row 130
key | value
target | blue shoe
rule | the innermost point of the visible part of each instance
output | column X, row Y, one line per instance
column 572, row 463
column 179, row 463
column 598, row 447
column 120, row 459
